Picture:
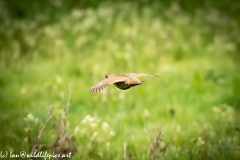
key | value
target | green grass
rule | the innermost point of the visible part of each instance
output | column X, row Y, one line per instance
column 195, row 104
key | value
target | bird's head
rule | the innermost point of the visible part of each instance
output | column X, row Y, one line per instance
column 107, row 75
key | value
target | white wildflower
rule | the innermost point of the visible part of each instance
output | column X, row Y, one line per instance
column 105, row 126
column 59, row 79
column 83, row 130
column 216, row 109
column 200, row 141
column 76, row 13
column 84, row 121
column 112, row 133
column 91, row 119
column 95, row 134
column 29, row 118
column 76, row 129
column 93, row 125
column 178, row 128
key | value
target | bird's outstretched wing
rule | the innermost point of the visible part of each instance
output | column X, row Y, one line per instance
column 104, row 83
column 137, row 75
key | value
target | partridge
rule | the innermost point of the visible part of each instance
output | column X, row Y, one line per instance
column 122, row 81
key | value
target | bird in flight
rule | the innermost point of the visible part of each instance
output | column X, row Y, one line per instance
column 122, row 81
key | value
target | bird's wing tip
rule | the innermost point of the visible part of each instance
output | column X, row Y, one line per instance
column 157, row 76
column 154, row 75
column 92, row 90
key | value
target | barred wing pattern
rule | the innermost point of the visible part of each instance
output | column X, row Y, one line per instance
column 122, row 81
column 104, row 83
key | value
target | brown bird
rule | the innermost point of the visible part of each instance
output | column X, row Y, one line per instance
column 122, row 81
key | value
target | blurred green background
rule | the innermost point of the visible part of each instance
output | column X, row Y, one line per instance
column 52, row 52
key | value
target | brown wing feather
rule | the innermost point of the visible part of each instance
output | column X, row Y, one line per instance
column 134, row 81
column 137, row 75
column 104, row 83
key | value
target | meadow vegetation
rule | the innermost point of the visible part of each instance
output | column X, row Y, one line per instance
column 48, row 64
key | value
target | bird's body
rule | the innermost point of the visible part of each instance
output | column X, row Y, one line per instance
column 123, row 85
column 122, row 81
